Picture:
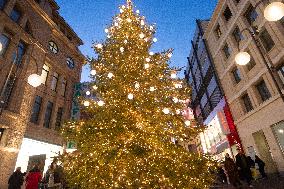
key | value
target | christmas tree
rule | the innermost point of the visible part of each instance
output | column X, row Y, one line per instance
column 125, row 139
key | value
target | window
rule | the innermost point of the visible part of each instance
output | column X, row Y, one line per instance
column 263, row 91
column 15, row 14
column 70, row 63
column 237, row 75
column 266, row 40
column 47, row 116
column 251, row 14
column 247, row 103
column 237, row 34
column 21, row 51
column 53, row 47
column 278, row 131
column 54, row 81
column 227, row 51
column 251, row 63
column 28, row 28
column 44, row 73
column 212, row 86
column 58, row 118
column 4, row 42
column 36, row 110
column 2, row 3
column 227, row 14
column 281, row 73
column 64, row 86
column 282, row 21
column 7, row 91
column 218, row 32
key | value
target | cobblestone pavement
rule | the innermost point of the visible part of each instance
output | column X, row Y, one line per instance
column 275, row 182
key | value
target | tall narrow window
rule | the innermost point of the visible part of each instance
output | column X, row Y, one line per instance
column 237, row 75
column 2, row 4
column 7, row 91
column 53, row 47
column 64, row 86
column 263, row 91
column 36, row 110
column 251, row 15
column 218, row 32
column 237, row 34
column 227, row 14
column 58, row 118
column 247, row 103
column 281, row 73
column 251, row 63
column 4, row 42
column 54, row 81
column 15, row 14
column 266, row 40
column 47, row 117
column 21, row 51
column 227, row 51
column 44, row 74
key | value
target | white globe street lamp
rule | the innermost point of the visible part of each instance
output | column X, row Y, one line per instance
column 34, row 80
column 274, row 11
column 242, row 58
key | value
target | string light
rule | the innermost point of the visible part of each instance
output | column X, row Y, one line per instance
column 146, row 66
column 155, row 40
column 88, row 93
column 101, row 103
column 106, row 30
column 99, row 46
column 152, row 89
column 121, row 49
column 137, row 85
column 166, row 110
column 148, row 59
column 86, row 103
column 130, row 96
column 141, row 35
column 95, row 87
column 151, row 53
column 187, row 123
column 110, row 75
column 93, row 72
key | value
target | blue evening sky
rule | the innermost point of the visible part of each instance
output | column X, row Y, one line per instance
column 175, row 21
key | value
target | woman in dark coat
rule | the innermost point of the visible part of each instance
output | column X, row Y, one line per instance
column 16, row 179
column 232, row 171
column 261, row 165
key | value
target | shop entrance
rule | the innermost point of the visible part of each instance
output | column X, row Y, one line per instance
column 264, row 151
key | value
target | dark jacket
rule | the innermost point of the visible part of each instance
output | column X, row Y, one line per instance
column 259, row 162
column 16, row 180
column 232, row 170
column 241, row 161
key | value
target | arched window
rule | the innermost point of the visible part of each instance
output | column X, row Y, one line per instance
column 53, row 47
column 70, row 62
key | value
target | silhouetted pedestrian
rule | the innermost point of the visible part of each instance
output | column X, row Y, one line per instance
column 232, row 171
column 16, row 180
column 261, row 165
column 244, row 167
column 33, row 178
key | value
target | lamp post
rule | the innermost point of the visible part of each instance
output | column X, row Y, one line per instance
column 273, row 12
column 34, row 79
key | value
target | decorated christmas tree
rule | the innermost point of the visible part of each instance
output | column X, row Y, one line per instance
column 125, row 138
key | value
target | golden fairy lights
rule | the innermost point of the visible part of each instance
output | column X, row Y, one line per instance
column 123, row 139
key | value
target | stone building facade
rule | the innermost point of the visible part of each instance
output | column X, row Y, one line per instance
column 34, row 38
column 256, row 105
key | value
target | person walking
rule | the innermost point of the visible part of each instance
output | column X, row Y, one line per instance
column 33, row 178
column 16, row 180
column 232, row 171
column 244, row 167
column 261, row 165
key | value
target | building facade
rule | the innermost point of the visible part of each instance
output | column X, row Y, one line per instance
column 209, row 104
column 34, row 39
column 256, row 106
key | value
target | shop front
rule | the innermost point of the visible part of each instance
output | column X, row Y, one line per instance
column 220, row 135
column 36, row 152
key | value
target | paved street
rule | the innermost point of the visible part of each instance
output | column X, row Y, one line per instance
column 274, row 182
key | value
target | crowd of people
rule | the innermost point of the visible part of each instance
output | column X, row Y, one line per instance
column 244, row 168
column 53, row 178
